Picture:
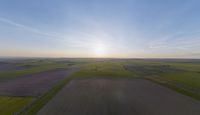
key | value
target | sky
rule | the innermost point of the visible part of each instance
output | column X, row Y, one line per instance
column 100, row 28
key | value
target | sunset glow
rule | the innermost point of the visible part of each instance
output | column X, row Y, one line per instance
column 126, row 28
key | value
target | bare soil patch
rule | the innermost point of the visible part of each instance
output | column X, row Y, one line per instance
column 12, row 67
column 35, row 84
column 119, row 97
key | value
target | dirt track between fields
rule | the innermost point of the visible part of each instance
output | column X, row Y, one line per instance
column 34, row 84
column 119, row 97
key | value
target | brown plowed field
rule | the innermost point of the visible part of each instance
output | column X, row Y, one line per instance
column 119, row 97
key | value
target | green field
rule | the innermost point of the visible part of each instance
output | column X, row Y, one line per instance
column 102, row 69
column 191, row 79
column 10, row 105
column 180, row 75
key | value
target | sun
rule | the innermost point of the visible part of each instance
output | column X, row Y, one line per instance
column 100, row 50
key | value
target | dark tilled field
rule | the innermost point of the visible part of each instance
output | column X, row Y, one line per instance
column 35, row 84
column 119, row 97
column 4, row 66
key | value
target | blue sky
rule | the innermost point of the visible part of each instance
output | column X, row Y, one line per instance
column 100, row 28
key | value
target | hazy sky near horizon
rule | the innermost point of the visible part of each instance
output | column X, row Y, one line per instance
column 100, row 28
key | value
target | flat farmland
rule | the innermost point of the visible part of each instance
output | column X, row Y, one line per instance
column 109, row 96
column 24, row 81
column 34, row 84
column 6, row 66
column 179, row 75
column 12, row 105
column 99, row 87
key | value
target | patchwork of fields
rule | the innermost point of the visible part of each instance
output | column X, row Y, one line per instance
column 180, row 75
column 100, row 86
column 22, row 82
column 119, row 96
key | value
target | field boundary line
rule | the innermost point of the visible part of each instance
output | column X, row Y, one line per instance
column 175, row 88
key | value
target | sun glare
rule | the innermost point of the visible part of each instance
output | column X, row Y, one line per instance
column 100, row 50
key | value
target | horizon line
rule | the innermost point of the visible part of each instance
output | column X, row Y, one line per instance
column 35, row 57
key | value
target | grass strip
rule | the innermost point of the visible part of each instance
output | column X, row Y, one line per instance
column 177, row 89
column 34, row 107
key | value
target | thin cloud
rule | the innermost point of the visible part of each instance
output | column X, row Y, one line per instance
column 69, row 38
column 181, row 41
column 27, row 28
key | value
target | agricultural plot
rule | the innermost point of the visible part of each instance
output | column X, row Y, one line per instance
column 150, row 70
column 12, row 105
column 34, row 84
column 23, row 82
column 12, row 67
column 111, row 96
column 99, row 87
column 102, row 69
column 191, row 79
column 30, row 67
column 180, row 75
